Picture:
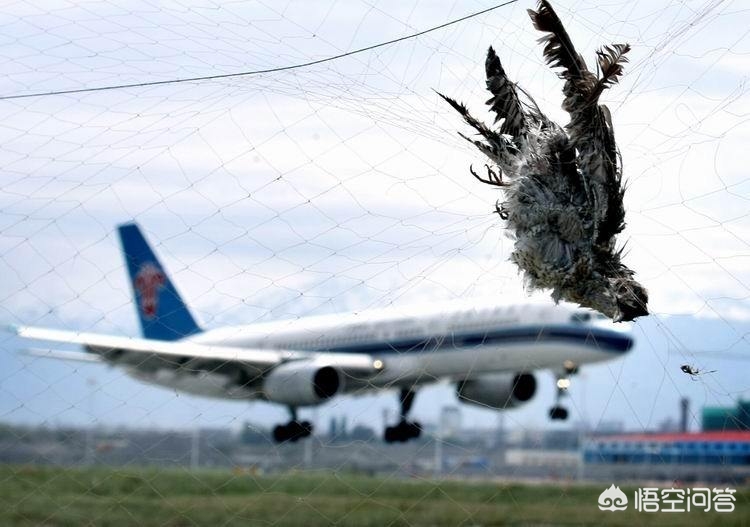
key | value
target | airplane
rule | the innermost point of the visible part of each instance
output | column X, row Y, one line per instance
column 490, row 352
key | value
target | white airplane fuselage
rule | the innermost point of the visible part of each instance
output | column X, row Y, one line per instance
column 416, row 347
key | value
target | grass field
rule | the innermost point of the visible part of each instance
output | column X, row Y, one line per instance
column 173, row 497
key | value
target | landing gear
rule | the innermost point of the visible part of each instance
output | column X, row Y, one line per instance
column 292, row 431
column 404, row 430
column 559, row 412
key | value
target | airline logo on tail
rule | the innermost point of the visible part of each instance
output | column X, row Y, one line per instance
column 148, row 281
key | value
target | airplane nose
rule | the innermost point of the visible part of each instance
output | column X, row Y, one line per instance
column 620, row 334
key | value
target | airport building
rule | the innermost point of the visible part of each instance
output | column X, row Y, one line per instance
column 714, row 447
column 720, row 452
column 719, row 418
column 725, row 440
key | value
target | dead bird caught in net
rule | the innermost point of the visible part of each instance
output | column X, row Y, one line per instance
column 563, row 186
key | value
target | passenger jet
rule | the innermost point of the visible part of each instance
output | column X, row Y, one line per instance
column 490, row 353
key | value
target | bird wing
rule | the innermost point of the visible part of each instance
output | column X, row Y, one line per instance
column 611, row 221
column 559, row 52
column 502, row 145
column 590, row 128
column 496, row 146
column 504, row 101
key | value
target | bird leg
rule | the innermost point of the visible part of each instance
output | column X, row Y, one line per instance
column 493, row 178
column 501, row 210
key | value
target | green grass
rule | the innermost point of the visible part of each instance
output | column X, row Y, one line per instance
column 173, row 497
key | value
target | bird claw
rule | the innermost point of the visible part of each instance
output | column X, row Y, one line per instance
column 501, row 210
column 493, row 178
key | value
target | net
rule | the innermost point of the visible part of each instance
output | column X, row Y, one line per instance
column 341, row 185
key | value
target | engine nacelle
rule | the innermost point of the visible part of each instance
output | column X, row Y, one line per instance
column 302, row 383
column 497, row 390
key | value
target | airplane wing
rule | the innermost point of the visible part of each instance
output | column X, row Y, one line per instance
column 111, row 348
column 51, row 353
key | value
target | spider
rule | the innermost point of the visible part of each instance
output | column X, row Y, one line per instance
column 693, row 371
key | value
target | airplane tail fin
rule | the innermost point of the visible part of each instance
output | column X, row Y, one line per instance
column 162, row 312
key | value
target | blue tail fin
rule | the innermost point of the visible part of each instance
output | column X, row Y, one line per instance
column 163, row 314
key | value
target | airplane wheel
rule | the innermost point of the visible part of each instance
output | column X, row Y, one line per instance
column 280, row 433
column 392, row 434
column 303, row 429
column 292, row 431
column 402, row 432
column 295, row 431
column 413, row 430
column 558, row 413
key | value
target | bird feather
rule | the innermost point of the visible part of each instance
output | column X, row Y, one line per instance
column 559, row 51
column 504, row 101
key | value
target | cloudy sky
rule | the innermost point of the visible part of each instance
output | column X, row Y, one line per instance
column 343, row 185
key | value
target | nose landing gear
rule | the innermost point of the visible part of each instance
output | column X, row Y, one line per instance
column 559, row 412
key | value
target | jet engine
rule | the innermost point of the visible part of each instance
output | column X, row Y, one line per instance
column 497, row 390
column 302, row 383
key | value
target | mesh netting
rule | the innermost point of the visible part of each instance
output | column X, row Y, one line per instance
column 343, row 186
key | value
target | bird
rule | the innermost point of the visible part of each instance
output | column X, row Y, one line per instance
column 563, row 186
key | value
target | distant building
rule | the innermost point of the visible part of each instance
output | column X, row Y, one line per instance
column 704, row 448
column 726, row 418
column 610, row 427
column 450, row 421
column 542, row 458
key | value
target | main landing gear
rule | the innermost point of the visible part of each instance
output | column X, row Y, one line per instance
column 404, row 430
column 292, row 431
column 559, row 412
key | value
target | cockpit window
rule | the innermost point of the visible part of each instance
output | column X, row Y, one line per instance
column 580, row 318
